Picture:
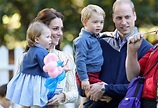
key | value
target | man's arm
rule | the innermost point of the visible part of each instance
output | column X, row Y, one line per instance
column 132, row 65
column 113, row 90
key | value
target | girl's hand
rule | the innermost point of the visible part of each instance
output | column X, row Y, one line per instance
column 65, row 66
column 66, row 69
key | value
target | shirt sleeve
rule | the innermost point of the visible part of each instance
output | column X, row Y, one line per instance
column 80, row 49
column 17, row 67
column 116, row 90
column 70, row 89
column 40, row 57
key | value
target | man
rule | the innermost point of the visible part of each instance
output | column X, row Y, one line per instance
column 114, row 52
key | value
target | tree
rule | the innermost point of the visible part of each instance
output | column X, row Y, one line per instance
column 147, row 14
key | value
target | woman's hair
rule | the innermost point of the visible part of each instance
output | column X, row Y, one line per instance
column 89, row 10
column 34, row 31
column 3, row 90
column 47, row 15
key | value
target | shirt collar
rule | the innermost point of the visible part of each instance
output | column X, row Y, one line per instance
column 122, row 42
column 117, row 37
column 38, row 45
column 84, row 31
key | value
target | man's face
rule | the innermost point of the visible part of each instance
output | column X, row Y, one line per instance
column 124, row 19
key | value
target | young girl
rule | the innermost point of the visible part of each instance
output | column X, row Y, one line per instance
column 27, row 86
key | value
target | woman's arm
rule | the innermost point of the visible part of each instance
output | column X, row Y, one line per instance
column 70, row 90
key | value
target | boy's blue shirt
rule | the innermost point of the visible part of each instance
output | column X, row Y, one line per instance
column 88, row 54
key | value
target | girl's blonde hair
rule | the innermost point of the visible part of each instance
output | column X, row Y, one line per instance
column 34, row 31
column 89, row 10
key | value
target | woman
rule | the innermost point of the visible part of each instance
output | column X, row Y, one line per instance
column 54, row 20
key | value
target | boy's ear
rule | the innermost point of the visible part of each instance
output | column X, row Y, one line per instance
column 84, row 23
column 37, row 40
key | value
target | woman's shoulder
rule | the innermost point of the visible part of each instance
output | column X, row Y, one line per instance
column 64, row 53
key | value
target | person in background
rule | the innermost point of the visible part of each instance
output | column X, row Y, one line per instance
column 27, row 87
column 114, row 48
column 4, row 102
column 54, row 20
column 149, row 62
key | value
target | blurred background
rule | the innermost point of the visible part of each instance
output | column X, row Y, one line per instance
column 17, row 14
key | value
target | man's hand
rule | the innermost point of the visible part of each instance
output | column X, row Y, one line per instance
column 106, row 98
column 95, row 91
column 135, row 42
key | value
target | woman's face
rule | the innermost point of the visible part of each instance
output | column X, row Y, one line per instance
column 56, row 27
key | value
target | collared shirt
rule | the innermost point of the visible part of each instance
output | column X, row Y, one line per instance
column 122, row 42
column 88, row 54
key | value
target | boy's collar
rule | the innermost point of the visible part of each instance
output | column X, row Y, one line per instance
column 90, row 33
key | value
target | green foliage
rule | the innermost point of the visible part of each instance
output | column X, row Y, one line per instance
column 147, row 14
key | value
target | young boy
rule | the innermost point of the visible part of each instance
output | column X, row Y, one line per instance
column 88, row 53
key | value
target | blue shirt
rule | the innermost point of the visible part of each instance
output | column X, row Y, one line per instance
column 33, row 61
column 88, row 54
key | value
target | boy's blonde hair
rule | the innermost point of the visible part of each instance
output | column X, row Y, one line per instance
column 34, row 31
column 89, row 10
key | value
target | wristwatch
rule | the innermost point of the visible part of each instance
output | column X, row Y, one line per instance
column 103, row 89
